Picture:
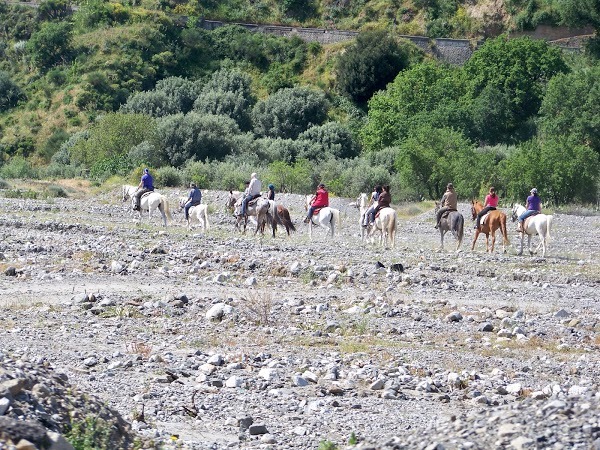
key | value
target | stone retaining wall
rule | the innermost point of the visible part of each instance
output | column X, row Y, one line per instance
column 453, row 51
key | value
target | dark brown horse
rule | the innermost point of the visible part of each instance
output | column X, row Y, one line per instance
column 495, row 220
column 282, row 217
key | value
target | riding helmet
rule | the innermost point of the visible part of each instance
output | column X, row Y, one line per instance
column 450, row 186
column 534, row 191
column 321, row 185
column 271, row 186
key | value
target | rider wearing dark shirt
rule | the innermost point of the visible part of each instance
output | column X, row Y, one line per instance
column 146, row 185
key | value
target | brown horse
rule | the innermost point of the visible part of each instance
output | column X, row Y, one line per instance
column 495, row 220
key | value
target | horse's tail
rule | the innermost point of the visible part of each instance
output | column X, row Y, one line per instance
column 392, row 229
column 167, row 210
column 335, row 220
column 206, row 219
column 503, row 229
column 461, row 228
column 548, row 226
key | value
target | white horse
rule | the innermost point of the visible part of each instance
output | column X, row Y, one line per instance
column 152, row 201
column 198, row 213
column 539, row 224
column 385, row 224
column 327, row 217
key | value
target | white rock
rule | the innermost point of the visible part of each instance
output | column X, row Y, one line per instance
column 234, row 382
column 268, row 374
column 299, row 381
column 4, row 404
column 514, row 388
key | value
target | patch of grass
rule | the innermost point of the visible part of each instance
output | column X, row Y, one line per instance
column 92, row 433
column 21, row 193
column 124, row 311
column 327, row 445
column 4, row 184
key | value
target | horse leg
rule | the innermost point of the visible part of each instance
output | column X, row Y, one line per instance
column 529, row 245
column 475, row 239
column 442, row 237
column 487, row 241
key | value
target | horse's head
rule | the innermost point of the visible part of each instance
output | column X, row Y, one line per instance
column 362, row 200
column 438, row 205
column 182, row 202
column 476, row 206
column 125, row 192
column 516, row 211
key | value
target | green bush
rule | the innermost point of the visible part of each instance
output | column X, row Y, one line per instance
column 19, row 193
column 10, row 92
column 333, row 138
column 289, row 112
column 4, row 184
column 18, row 167
column 51, row 44
column 54, row 191
column 168, row 177
column 370, row 64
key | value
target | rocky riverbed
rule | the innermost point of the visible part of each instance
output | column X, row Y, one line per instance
column 201, row 340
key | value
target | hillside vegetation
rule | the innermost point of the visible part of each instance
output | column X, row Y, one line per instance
column 114, row 87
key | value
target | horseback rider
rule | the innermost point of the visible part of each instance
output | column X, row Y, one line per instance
column 194, row 199
column 383, row 201
column 271, row 193
column 449, row 202
column 491, row 202
column 253, row 192
column 146, row 185
column 319, row 200
column 534, row 206
column 372, row 204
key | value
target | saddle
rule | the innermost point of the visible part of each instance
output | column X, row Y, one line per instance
column 317, row 210
column 447, row 213
column 253, row 201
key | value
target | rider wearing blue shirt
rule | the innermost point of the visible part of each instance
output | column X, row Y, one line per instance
column 194, row 199
column 146, row 185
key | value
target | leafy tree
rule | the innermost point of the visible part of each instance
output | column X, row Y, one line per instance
column 54, row 9
column 519, row 68
column 277, row 149
column 289, row 112
column 151, row 103
column 51, row 44
column 197, row 136
column 562, row 170
column 430, row 158
column 10, row 92
column 228, row 93
column 571, row 107
column 577, row 13
column 146, row 154
column 18, row 21
column 181, row 91
column 370, row 64
column 491, row 115
column 409, row 101
column 332, row 138
column 111, row 139
column 298, row 9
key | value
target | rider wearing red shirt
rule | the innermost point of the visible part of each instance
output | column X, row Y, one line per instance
column 320, row 200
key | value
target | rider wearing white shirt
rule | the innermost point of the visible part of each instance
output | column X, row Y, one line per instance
column 253, row 192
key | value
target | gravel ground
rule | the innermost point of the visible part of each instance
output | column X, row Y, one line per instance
column 225, row 340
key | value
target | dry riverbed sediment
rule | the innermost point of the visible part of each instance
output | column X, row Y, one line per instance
column 220, row 340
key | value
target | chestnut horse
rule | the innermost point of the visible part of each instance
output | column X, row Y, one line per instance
column 489, row 224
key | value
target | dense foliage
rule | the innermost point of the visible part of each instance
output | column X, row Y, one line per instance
column 113, row 88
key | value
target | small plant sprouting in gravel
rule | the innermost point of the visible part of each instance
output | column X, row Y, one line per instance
column 308, row 275
column 91, row 433
column 327, row 445
column 257, row 307
column 139, row 348
column 353, row 440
